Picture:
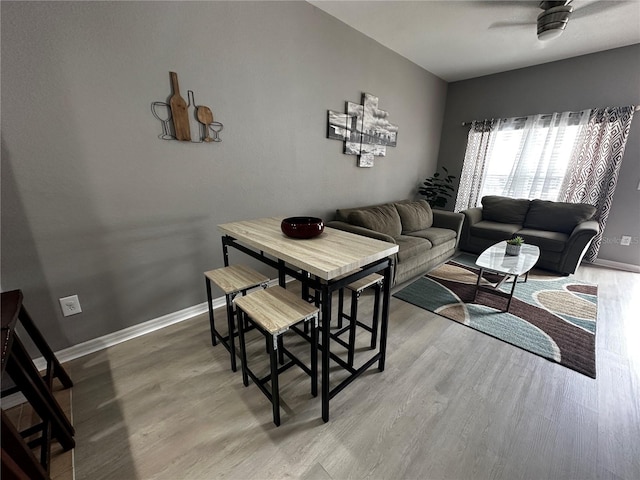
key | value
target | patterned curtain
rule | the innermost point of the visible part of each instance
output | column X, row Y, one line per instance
column 593, row 172
column 478, row 144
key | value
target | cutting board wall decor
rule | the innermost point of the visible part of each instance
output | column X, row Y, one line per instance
column 179, row 111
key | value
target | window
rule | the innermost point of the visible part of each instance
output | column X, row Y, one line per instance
column 571, row 157
column 529, row 157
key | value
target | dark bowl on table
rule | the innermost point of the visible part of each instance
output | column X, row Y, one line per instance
column 302, row 227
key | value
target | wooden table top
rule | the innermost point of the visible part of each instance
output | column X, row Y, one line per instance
column 329, row 255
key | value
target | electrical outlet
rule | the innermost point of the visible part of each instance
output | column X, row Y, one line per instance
column 70, row 305
column 625, row 240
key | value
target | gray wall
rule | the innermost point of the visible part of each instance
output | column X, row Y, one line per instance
column 94, row 204
column 610, row 78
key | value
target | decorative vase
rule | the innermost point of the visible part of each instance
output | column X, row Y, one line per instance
column 513, row 249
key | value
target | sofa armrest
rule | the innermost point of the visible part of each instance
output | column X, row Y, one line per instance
column 577, row 244
column 590, row 227
column 347, row 227
column 450, row 220
column 473, row 215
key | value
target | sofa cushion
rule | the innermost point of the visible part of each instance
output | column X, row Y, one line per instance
column 494, row 230
column 383, row 219
column 557, row 216
column 504, row 209
column 409, row 247
column 342, row 214
column 437, row 236
column 415, row 215
column 547, row 241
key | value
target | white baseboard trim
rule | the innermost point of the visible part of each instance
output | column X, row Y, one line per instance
column 100, row 343
column 627, row 267
column 111, row 339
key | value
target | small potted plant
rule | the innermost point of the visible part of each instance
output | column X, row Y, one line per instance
column 513, row 245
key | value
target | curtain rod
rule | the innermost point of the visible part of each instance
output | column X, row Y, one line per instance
column 468, row 124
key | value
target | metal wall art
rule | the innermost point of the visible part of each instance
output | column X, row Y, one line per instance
column 365, row 130
column 175, row 119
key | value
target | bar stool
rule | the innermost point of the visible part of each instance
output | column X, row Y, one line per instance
column 357, row 288
column 274, row 311
column 232, row 280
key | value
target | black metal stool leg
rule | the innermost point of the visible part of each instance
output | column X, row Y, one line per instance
column 243, row 348
column 352, row 327
column 280, row 349
column 340, row 306
column 314, row 357
column 275, row 393
column 376, row 315
column 231, row 328
column 214, row 341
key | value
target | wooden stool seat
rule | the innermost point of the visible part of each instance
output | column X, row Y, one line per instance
column 356, row 288
column 274, row 311
column 232, row 280
column 364, row 283
column 235, row 278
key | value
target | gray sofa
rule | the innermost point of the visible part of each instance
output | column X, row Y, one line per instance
column 562, row 231
column 425, row 237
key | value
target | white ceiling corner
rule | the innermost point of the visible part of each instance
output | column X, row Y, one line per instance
column 457, row 40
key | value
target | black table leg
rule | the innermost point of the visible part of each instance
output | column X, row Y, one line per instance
column 326, row 321
column 386, row 296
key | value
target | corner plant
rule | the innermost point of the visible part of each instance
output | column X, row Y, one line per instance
column 516, row 241
column 437, row 188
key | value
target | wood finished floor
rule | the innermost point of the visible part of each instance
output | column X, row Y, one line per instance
column 452, row 403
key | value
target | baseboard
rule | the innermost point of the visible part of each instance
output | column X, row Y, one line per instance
column 627, row 267
column 100, row 343
column 111, row 339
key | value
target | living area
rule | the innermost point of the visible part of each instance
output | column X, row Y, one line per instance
column 95, row 204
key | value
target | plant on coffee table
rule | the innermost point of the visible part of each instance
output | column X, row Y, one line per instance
column 514, row 244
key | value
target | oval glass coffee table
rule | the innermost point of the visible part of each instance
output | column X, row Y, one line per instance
column 512, row 267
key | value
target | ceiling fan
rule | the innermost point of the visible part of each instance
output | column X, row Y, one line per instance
column 555, row 15
column 553, row 20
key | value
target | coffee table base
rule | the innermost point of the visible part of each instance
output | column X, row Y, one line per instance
column 496, row 290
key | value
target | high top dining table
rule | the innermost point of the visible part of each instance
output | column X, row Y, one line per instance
column 325, row 263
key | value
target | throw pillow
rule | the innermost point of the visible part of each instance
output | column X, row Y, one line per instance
column 415, row 216
column 557, row 216
column 504, row 209
column 383, row 219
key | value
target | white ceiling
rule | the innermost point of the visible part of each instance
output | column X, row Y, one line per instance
column 456, row 40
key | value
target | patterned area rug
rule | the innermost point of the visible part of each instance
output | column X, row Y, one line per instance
column 551, row 316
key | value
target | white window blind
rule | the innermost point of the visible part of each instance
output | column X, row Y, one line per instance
column 528, row 157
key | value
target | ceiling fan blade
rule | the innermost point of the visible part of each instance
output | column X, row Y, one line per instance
column 594, row 8
column 511, row 24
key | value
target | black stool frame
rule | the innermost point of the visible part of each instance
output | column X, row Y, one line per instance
column 226, row 340
column 275, row 348
column 353, row 320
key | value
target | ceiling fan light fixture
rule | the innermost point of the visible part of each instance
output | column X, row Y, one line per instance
column 552, row 22
column 550, row 34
